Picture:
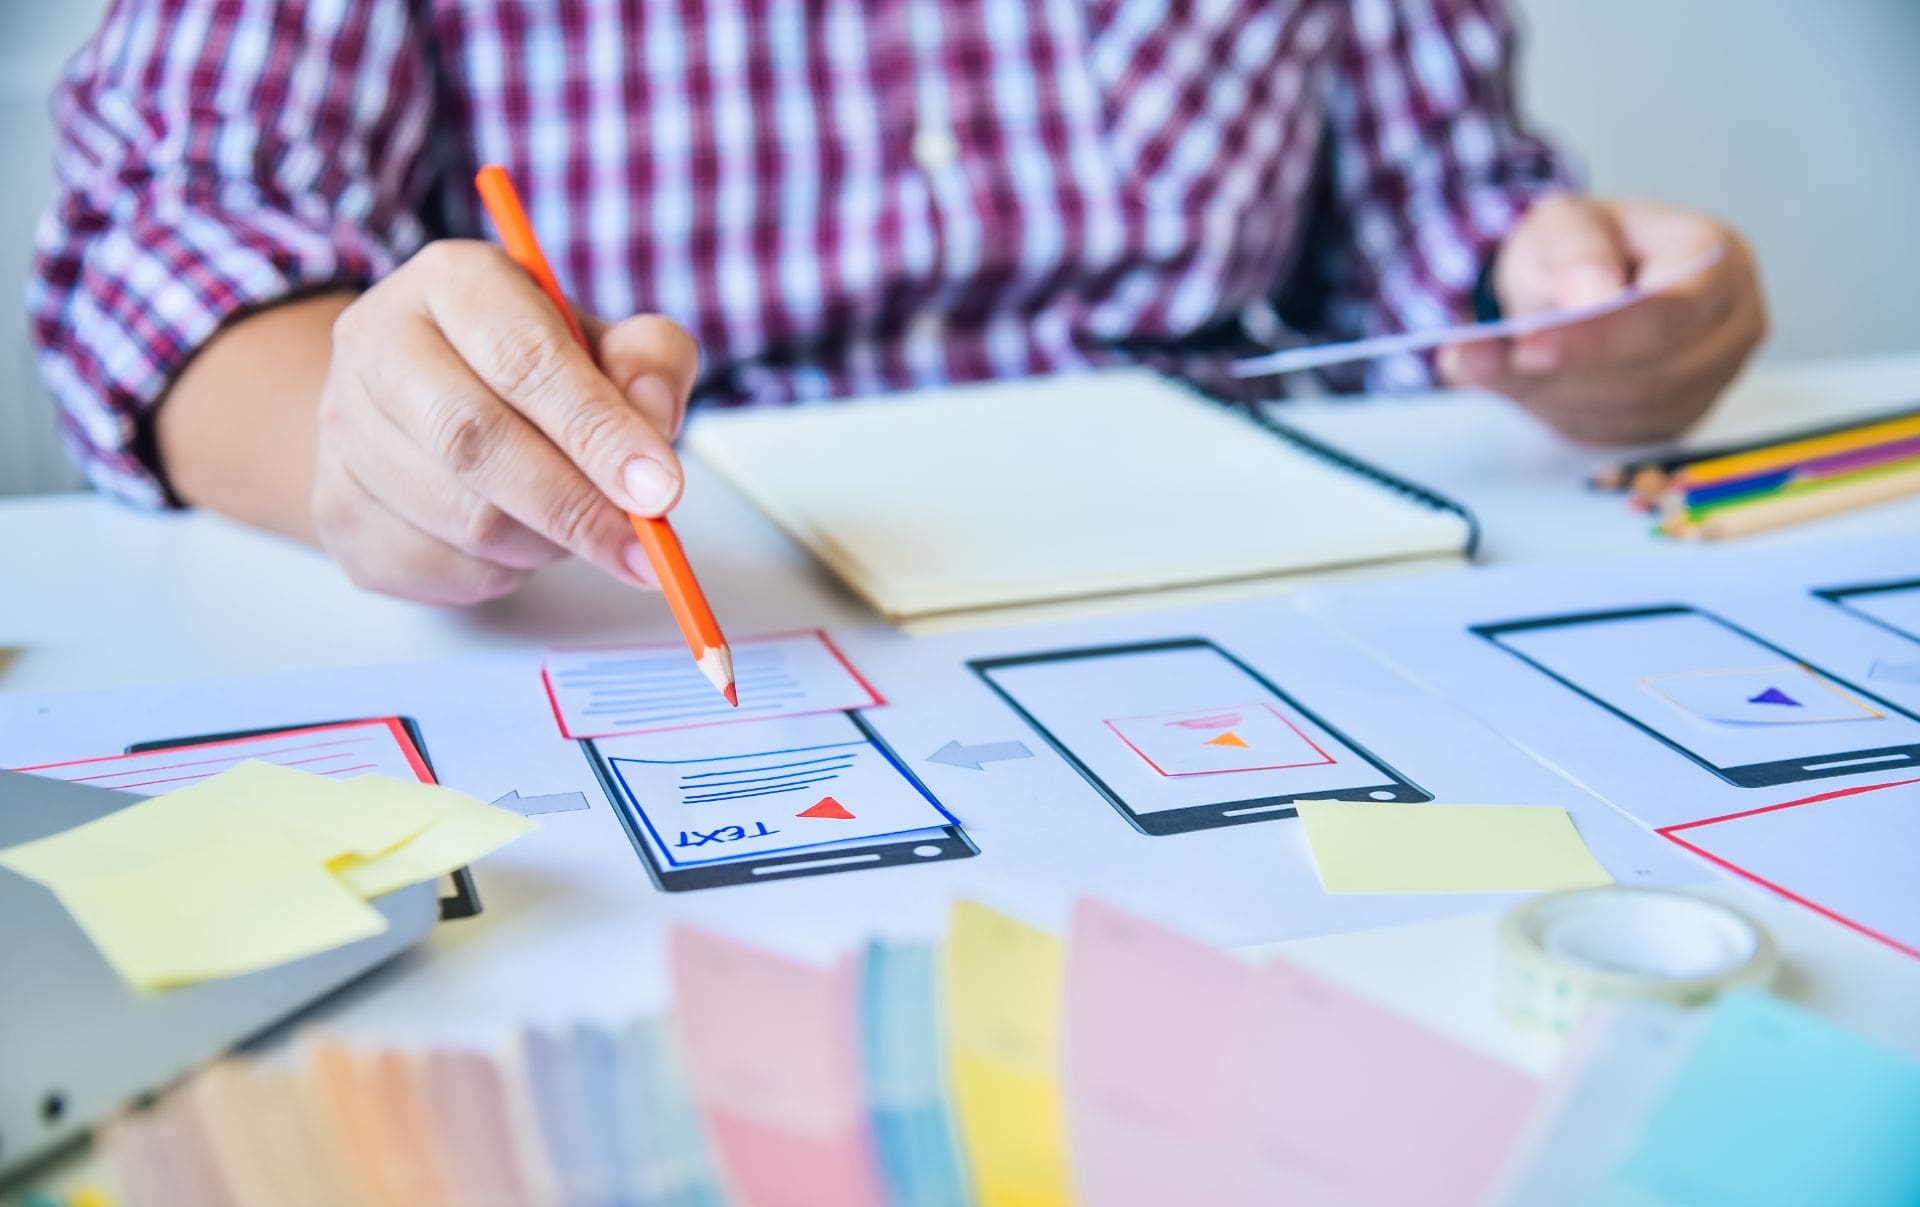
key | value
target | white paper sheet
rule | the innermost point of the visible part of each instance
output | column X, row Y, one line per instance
column 574, row 922
column 1583, row 696
column 1594, row 696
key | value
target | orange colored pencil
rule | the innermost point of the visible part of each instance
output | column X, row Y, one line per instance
column 677, row 582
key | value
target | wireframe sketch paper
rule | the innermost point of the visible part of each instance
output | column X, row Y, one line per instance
column 606, row 692
column 341, row 750
column 783, row 785
column 1219, row 856
column 1847, row 853
column 1729, row 675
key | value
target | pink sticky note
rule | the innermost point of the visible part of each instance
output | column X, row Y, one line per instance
column 770, row 1045
column 1154, row 1026
column 1357, row 1106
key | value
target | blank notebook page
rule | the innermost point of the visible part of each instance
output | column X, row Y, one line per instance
column 1055, row 488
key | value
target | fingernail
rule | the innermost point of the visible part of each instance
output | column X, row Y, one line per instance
column 636, row 562
column 651, row 486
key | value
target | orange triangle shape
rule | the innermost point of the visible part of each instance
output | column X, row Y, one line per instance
column 827, row 807
column 1228, row 738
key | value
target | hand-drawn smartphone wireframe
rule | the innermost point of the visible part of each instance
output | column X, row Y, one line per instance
column 385, row 745
column 1776, row 719
column 1893, row 606
column 770, row 800
column 1179, row 735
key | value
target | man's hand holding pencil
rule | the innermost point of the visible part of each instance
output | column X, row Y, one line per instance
column 466, row 440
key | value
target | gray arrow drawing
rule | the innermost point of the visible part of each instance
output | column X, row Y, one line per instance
column 975, row 758
column 1895, row 672
column 527, row 806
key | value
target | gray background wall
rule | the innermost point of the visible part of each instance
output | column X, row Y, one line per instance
column 1800, row 122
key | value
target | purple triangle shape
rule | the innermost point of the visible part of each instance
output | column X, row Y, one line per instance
column 1774, row 695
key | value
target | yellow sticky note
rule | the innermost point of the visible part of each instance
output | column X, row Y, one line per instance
column 334, row 820
column 1360, row 847
column 1002, row 1004
column 462, row 831
column 185, row 888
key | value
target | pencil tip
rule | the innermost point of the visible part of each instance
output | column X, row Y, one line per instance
column 732, row 694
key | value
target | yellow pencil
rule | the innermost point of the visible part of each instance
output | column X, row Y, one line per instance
column 1761, row 460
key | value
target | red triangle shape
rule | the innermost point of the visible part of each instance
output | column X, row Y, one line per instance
column 827, row 807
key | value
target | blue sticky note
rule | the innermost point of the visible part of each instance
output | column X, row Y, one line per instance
column 1775, row 1106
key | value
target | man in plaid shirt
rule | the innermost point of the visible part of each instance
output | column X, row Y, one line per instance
column 261, row 288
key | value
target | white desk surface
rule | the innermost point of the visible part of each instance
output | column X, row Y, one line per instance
column 98, row 596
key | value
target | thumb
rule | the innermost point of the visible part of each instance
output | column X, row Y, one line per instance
column 1567, row 251
column 653, row 360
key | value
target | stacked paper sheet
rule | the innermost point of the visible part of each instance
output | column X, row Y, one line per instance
column 1120, row 1064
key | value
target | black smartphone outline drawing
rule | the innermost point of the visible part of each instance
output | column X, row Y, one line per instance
column 881, row 853
column 465, row 901
column 1394, row 787
column 1771, row 774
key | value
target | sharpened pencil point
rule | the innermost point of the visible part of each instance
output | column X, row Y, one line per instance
column 717, row 665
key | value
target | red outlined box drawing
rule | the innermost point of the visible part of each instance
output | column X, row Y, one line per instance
column 1214, row 741
column 380, row 745
column 1847, row 855
column 614, row 691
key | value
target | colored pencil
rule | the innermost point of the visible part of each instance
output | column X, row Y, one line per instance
column 1792, row 489
column 1870, row 457
column 1648, row 475
column 1794, row 451
column 669, row 561
column 1866, row 490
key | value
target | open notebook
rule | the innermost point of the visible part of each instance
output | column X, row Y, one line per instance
column 977, row 503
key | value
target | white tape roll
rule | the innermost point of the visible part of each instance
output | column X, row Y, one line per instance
column 1565, row 950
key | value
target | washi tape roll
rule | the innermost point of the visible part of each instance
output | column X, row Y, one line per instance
column 1563, row 951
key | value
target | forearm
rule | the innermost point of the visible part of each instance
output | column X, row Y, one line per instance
column 235, row 433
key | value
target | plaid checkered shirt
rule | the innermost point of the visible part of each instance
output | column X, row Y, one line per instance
column 835, row 196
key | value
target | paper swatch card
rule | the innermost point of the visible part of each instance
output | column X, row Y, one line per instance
column 1784, row 694
column 1396, row 1114
column 1003, row 982
column 781, row 785
column 771, row 1053
column 649, row 688
column 1775, row 1107
column 1382, row 847
column 1248, row 737
column 1155, row 1027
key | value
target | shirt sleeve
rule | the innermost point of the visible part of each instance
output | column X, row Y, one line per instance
column 213, row 158
column 1428, row 167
